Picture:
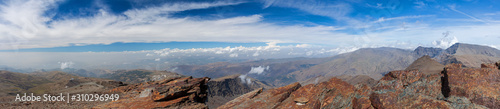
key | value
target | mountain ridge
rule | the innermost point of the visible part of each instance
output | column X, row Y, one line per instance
column 453, row 87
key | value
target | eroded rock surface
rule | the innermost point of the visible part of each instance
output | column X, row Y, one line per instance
column 224, row 89
column 334, row 93
column 408, row 89
column 179, row 92
column 479, row 85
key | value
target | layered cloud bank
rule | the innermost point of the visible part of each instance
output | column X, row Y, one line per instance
column 35, row 24
column 318, row 28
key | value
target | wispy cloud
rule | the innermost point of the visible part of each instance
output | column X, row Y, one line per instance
column 453, row 8
column 420, row 4
column 25, row 24
column 334, row 9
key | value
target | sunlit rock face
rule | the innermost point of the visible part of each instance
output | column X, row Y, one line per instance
column 180, row 92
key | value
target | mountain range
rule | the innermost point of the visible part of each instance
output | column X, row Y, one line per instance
column 373, row 62
column 419, row 86
column 456, row 77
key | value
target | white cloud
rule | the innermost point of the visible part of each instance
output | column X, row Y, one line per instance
column 65, row 65
column 382, row 19
column 453, row 8
column 302, row 45
column 446, row 41
column 233, row 55
column 419, row 4
column 256, row 54
column 244, row 79
column 22, row 25
column 493, row 46
column 272, row 50
column 258, row 70
column 336, row 10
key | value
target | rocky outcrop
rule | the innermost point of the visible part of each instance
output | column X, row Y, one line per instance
column 178, row 92
column 111, row 83
column 479, row 85
column 423, row 84
column 414, row 89
column 353, row 80
column 246, row 97
column 267, row 100
column 224, row 89
column 408, row 89
column 334, row 93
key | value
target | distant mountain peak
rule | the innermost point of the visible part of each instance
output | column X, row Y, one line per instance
column 426, row 65
column 430, row 51
column 470, row 49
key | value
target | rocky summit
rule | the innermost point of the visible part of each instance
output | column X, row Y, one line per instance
column 334, row 93
column 419, row 86
column 224, row 89
column 179, row 92
column 479, row 85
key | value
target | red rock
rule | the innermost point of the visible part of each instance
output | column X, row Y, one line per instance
column 493, row 65
column 170, row 93
column 266, row 100
column 408, row 89
column 241, row 99
column 334, row 93
column 480, row 85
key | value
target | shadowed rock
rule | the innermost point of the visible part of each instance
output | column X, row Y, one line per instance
column 224, row 89
column 266, row 100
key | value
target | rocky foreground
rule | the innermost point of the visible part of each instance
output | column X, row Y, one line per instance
column 179, row 92
column 424, row 84
column 453, row 87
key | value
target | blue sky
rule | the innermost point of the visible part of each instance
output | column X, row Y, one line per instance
column 62, row 25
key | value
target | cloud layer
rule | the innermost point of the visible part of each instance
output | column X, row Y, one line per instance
column 31, row 24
